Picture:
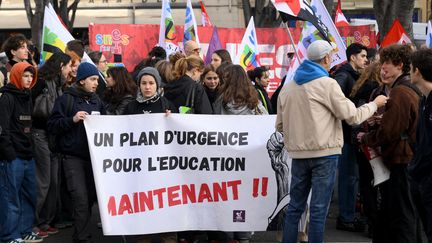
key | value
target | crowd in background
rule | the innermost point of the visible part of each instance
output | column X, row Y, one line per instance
column 46, row 177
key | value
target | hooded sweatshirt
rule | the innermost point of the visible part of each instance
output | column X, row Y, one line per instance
column 309, row 71
column 71, row 136
column 15, row 118
column 177, row 93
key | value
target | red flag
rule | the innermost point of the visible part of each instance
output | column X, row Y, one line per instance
column 205, row 20
column 340, row 20
column 396, row 35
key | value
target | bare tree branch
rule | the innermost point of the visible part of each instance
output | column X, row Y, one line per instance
column 29, row 11
column 73, row 7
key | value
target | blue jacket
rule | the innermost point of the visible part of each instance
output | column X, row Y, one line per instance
column 71, row 137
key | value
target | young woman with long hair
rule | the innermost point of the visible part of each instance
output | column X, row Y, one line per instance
column 52, row 76
column 237, row 94
column 210, row 81
column 121, row 89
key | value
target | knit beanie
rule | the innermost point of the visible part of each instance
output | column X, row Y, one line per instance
column 86, row 70
column 152, row 72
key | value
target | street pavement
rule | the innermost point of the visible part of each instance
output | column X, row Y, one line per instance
column 331, row 234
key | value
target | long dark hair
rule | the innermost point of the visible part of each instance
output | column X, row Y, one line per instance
column 224, row 55
column 124, row 85
column 237, row 88
column 53, row 66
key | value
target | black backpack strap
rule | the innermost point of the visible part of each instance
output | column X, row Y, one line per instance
column 69, row 105
column 190, row 99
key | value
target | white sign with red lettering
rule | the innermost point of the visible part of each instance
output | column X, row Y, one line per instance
column 157, row 173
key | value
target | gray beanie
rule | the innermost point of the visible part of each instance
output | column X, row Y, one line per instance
column 152, row 72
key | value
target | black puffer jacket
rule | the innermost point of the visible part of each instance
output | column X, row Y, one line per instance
column 15, row 123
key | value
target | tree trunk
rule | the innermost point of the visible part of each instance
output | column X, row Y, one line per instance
column 430, row 9
column 246, row 11
column 386, row 11
column 329, row 5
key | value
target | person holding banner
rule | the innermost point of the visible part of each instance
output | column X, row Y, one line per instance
column 148, row 99
column 314, row 139
column 66, row 123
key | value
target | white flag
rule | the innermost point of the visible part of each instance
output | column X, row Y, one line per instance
column 310, row 34
column 248, row 53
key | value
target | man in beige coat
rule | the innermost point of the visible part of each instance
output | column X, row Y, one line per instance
column 310, row 111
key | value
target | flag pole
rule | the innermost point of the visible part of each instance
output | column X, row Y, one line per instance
column 292, row 42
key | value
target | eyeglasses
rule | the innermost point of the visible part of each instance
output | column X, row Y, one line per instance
column 210, row 78
column 197, row 50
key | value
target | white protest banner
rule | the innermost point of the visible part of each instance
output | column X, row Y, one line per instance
column 182, row 172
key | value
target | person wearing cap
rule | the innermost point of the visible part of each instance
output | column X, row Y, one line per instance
column 17, row 165
column 310, row 110
column 148, row 98
column 66, row 123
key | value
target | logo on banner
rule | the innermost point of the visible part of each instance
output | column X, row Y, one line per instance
column 239, row 216
column 112, row 42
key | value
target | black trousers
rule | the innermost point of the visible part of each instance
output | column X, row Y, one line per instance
column 425, row 209
column 368, row 192
column 80, row 183
column 397, row 219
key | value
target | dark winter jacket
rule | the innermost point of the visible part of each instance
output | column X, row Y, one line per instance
column 71, row 136
column 177, row 92
column 38, row 89
column 346, row 77
column 157, row 104
column 15, row 123
column 421, row 166
column 398, row 124
column 118, row 108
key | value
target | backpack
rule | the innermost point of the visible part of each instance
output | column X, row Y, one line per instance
column 44, row 102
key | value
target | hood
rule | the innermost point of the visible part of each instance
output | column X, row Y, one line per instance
column 16, row 74
column 12, row 89
column 77, row 91
column 176, row 88
column 230, row 108
column 309, row 71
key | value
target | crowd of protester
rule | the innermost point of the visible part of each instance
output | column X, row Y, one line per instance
column 331, row 121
